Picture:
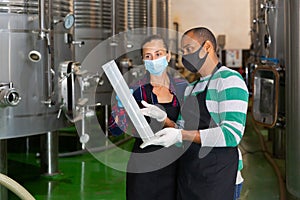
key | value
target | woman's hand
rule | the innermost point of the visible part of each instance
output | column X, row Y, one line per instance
column 153, row 112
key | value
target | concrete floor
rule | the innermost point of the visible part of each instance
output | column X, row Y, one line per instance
column 85, row 178
column 260, row 178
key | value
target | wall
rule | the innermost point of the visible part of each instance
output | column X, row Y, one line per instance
column 229, row 17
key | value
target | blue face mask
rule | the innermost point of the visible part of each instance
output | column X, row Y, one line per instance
column 156, row 67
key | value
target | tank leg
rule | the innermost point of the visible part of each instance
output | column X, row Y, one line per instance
column 279, row 143
column 49, row 154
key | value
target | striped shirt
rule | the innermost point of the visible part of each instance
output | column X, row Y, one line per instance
column 227, row 103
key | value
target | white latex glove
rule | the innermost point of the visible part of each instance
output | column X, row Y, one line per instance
column 165, row 137
column 153, row 111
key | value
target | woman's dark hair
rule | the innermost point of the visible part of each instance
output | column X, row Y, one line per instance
column 154, row 37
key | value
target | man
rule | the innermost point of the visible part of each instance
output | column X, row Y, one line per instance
column 213, row 117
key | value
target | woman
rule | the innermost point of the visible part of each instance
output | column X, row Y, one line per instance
column 149, row 178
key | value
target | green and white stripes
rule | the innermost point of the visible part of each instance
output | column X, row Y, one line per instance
column 227, row 102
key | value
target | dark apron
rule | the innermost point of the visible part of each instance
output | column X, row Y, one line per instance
column 204, row 173
column 160, row 184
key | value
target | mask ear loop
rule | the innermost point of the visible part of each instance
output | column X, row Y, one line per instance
column 202, row 45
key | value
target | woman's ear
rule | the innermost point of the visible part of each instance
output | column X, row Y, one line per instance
column 168, row 56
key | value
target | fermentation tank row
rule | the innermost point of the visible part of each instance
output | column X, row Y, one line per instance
column 273, row 76
column 44, row 41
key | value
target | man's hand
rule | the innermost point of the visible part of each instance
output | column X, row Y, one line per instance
column 153, row 111
column 165, row 137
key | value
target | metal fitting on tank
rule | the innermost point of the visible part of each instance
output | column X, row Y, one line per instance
column 34, row 56
column 9, row 96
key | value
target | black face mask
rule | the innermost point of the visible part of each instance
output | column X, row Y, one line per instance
column 192, row 62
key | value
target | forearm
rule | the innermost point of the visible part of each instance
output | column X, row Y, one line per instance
column 169, row 123
column 193, row 136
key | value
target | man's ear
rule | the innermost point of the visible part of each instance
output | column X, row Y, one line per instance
column 208, row 46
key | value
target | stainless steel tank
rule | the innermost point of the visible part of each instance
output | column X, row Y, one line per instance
column 292, row 49
column 253, row 60
column 148, row 13
column 92, row 25
column 138, row 14
column 163, row 13
column 261, row 28
column 274, row 48
column 267, row 50
column 32, row 38
column 253, row 23
column 275, row 23
column 163, row 17
column 269, row 23
column 95, row 21
column 99, row 20
column 256, row 21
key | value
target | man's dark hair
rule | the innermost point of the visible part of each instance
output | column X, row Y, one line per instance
column 203, row 34
column 154, row 37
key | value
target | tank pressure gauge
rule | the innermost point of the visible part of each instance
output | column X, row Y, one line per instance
column 69, row 21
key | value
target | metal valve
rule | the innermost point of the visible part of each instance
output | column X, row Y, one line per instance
column 267, row 6
column 9, row 96
column 68, row 38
